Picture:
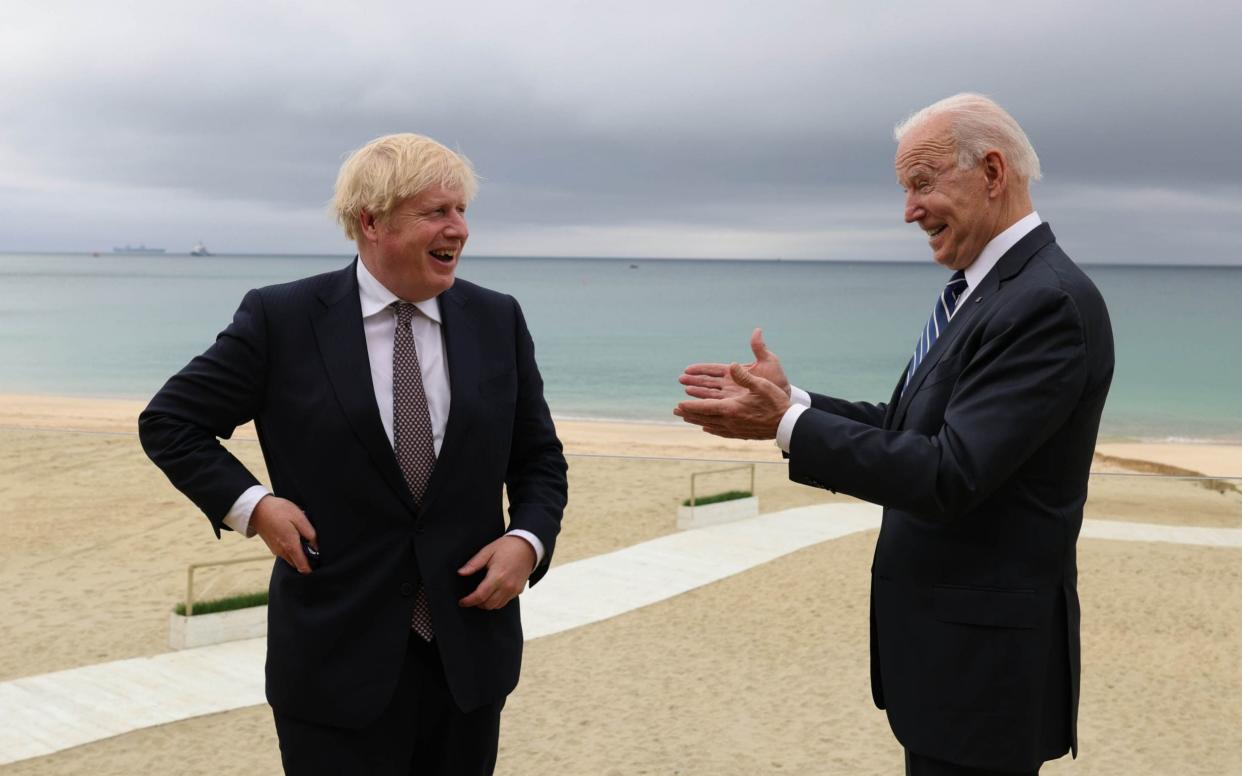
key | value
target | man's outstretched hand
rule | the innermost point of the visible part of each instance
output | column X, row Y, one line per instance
column 713, row 381
column 751, row 410
column 509, row 562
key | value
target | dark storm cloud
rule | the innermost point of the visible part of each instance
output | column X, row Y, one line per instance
column 755, row 123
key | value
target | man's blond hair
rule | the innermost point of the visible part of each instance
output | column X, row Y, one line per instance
column 390, row 169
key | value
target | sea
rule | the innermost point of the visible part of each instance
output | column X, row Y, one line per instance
column 612, row 335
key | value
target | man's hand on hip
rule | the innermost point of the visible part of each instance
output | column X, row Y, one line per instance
column 283, row 525
column 753, row 414
column 509, row 562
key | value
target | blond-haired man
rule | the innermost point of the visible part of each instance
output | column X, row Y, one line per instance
column 394, row 403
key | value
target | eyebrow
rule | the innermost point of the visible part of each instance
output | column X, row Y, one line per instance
column 919, row 168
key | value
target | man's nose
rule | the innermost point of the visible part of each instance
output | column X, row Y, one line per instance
column 457, row 226
column 914, row 210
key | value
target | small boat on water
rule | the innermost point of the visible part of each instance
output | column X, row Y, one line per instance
column 199, row 249
column 139, row 248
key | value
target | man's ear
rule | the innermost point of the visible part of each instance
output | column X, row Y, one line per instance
column 995, row 172
column 368, row 226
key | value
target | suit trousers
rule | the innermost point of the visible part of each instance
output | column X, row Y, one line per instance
column 918, row 765
column 420, row 733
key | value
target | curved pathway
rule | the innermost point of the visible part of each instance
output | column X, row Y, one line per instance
column 51, row 712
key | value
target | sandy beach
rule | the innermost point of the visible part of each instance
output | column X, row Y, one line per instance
column 764, row 672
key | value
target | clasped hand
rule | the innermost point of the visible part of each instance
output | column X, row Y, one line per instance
column 734, row 400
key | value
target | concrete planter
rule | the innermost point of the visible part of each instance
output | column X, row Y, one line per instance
column 203, row 629
column 700, row 515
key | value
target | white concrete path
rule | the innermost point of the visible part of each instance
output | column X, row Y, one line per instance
column 50, row 712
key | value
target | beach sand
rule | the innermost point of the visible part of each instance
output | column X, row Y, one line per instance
column 764, row 672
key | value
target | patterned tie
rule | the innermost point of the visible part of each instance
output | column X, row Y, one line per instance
column 411, row 433
column 938, row 322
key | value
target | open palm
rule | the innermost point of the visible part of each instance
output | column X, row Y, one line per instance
column 713, row 381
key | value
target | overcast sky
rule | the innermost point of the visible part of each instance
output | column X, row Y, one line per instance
column 678, row 129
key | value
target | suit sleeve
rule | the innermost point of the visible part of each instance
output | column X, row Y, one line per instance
column 859, row 411
column 205, row 402
column 536, row 474
column 1018, row 387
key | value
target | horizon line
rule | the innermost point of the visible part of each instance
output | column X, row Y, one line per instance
column 767, row 259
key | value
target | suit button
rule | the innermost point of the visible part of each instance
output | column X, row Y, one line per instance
column 407, row 589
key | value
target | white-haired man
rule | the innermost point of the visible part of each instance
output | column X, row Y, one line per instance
column 980, row 457
column 393, row 404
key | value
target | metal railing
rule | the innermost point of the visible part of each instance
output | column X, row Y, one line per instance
column 695, row 475
column 189, row 575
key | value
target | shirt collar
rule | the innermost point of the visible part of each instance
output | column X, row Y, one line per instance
column 998, row 246
column 375, row 296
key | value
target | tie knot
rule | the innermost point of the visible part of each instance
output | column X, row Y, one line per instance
column 956, row 285
column 405, row 312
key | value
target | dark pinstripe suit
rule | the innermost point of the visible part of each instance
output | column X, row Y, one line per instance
column 294, row 359
column 981, row 466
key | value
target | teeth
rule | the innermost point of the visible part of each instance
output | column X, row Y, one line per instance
column 934, row 232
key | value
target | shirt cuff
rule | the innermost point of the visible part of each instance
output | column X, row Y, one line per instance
column 533, row 541
column 784, row 432
column 799, row 396
column 238, row 517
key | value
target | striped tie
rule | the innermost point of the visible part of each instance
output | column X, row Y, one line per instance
column 938, row 322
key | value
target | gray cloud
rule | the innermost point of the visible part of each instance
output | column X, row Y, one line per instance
column 679, row 129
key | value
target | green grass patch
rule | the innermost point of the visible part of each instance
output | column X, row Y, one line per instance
column 225, row 604
column 716, row 498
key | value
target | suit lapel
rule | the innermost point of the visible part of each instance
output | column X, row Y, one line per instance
column 461, row 350
column 343, row 346
column 1006, row 267
column 966, row 309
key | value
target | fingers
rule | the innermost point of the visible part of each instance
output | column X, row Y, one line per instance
column 283, row 525
column 296, row 529
column 496, row 590
column 760, row 386
column 711, row 370
column 741, row 375
column 702, row 380
column 757, row 345
column 477, row 562
column 704, row 393
column 702, row 408
column 509, row 561
column 304, row 528
column 286, row 543
column 296, row 558
column 481, row 594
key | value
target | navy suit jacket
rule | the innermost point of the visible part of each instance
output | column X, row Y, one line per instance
column 294, row 360
column 981, row 466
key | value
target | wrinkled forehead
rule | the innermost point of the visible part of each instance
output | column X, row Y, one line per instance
column 926, row 148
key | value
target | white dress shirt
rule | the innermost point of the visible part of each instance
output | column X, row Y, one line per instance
column 379, row 324
column 975, row 273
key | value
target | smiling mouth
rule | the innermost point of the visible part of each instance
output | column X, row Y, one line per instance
column 444, row 256
column 932, row 233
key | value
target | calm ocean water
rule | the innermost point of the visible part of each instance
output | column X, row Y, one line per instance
column 612, row 335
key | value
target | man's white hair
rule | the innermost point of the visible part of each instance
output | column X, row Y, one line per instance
column 979, row 125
